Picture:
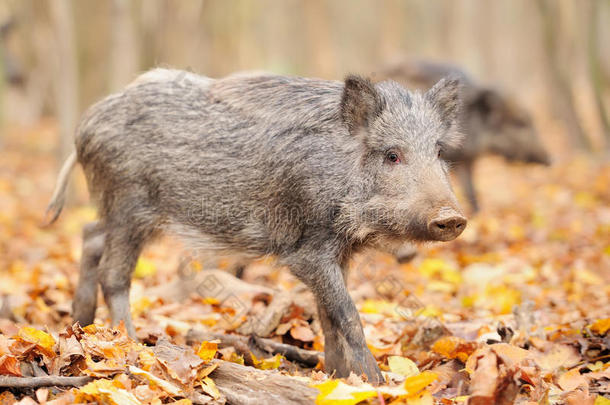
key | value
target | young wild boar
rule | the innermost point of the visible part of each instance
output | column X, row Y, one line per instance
column 491, row 122
column 308, row 170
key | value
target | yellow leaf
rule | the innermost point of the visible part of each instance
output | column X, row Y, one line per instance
column 90, row 329
column 600, row 326
column 403, row 366
column 208, row 386
column 44, row 342
column 105, row 391
column 336, row 392
column 429, row 311
column 416, row 383
column 147, row 359
column 502, row 299
column 371, row 306
column 270, row 363
column 140, row 306
column 425, row 398
column 599, row 400
column 236, row 358
column 204, row 372
column 207, row 350
column 166, row 386
column 144, row 268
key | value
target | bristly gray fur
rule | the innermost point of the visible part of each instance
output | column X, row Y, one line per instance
column 307, row 170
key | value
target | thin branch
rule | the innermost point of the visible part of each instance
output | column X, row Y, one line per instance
column 47, row 381
column 309, row 358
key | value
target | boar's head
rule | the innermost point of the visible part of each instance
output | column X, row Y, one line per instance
column 506, row 129
column 403, row 135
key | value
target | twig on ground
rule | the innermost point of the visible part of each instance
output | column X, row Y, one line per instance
column 309, row 358
column 47, row 381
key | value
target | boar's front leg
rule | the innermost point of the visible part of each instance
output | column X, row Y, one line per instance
column 345, row 348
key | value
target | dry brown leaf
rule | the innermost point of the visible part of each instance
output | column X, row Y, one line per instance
column 484, row 379
column 181, row 363
column 570, row 380
column 9, row 366
column 302, row 333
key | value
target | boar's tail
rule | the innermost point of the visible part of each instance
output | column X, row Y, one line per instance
column 59, row 194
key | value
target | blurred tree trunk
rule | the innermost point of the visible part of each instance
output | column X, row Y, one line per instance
column 595, row 69
column 561, row 90
column 124, row 58
column 66, row 74
column 319, row 38
column 391, row 31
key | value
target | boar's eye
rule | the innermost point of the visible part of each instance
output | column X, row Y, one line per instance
column 393, row 157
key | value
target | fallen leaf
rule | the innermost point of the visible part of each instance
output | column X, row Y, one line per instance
column 454, row 347
column 600, row 326
column 207, row 351
column 208, row 386
column 414, row 384
column 9, row 365
column 336, row 392
column 270, row 363
column 144, row 268
column 43, row 341
column 403, row 366
column 166, row 386
column 571, row 380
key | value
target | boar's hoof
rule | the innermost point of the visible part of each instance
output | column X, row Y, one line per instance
column 359, row 364
column 447, row 227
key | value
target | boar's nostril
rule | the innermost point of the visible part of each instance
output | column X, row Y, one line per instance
column 446, row 228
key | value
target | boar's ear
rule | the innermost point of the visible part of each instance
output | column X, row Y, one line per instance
column 360, row 103
column 446, row 98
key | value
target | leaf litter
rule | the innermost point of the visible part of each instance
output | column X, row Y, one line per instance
column 515, row 311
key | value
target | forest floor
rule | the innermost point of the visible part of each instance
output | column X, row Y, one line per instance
column 517, row 310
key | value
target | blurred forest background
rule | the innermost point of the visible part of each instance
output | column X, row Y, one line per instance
column 550, row 55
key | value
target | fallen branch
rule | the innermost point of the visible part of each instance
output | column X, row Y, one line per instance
column 210, row 283
column 243, row 385
column 309, row 358
column 265, row 323
column 47, row 381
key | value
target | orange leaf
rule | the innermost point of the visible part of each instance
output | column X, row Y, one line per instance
column 9, row 365
column 43, row 341
column 207, row 351
column 600, row 327
column 454, row 347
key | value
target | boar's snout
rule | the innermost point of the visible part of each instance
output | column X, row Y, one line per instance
column 447, row 225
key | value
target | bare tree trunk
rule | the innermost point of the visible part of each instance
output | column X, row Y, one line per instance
column 124, row 56
column 560, row 86
column 66, row 74
column 319, row 38
column 597, row 79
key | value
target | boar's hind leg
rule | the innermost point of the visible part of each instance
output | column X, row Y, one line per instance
column 122, row 248
column 345, row 348
column 85, row 298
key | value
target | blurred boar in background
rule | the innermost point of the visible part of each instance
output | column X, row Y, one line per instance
column 491, row 122
column 308, row 170
column 12, row 71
